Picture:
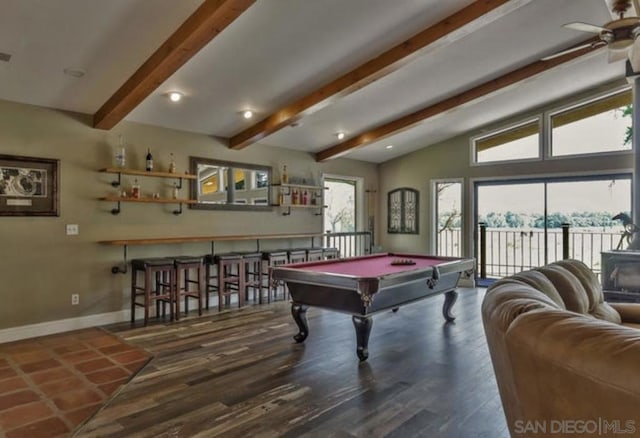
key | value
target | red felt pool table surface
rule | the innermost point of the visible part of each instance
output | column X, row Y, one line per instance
column 372, row 266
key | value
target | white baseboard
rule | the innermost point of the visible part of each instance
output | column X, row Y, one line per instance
column 62, row 325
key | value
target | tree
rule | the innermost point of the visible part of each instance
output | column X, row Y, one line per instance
column 628, row 135
column 342, row 216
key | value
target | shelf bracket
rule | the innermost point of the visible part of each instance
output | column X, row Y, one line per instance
column 179, row 210
column 179, row 186
column 118, row 269
column 287, row 213
column 116, row 211
column 117, row 183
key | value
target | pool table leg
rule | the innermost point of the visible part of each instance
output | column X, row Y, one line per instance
column 449, row 300
column 363, row 329
column 299, row 313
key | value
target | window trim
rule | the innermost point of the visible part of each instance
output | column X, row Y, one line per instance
column 359, row 203
column 504, row 128
column 548, row 134
column 434, row 211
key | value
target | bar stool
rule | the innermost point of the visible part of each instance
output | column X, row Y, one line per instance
column 184, row 266
column 160, row 291
column 274, row 258
column 228, row 278
column 330, row 253
column 297, row 255
column 252, row 267
column 314, row 254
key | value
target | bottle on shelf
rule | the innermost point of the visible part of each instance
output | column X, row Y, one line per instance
column 172, row 164
column 174, row 191
column 281, row 196
column 294, row 197
column 149, row 160
column 305, row 198
column 285, row 176
column 120, row 152
column 135, row 189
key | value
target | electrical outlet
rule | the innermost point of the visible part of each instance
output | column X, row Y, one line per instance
column 75, row 299
column 73, row 229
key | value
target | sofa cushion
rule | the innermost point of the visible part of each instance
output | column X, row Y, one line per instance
column 569, row 287
column 540, row 282
column 597, row 307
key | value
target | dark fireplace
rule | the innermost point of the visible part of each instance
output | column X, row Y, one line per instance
column 621, row 275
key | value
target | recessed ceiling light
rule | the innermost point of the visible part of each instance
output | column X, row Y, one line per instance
column 175, row 96
column 75, row 72
column 247, row 114
column 340, row 135
column 389, row 146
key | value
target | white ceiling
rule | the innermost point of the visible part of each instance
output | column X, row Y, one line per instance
column 280, row 50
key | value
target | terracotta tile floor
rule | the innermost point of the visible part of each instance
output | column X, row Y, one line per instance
column 52, row 384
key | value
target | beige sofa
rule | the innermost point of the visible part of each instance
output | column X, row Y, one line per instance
column 566, row 362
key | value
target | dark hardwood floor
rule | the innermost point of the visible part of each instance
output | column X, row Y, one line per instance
column 239, row 373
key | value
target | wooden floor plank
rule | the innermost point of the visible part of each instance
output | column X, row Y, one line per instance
column 239, row 373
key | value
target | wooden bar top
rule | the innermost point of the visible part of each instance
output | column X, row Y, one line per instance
column 166, row 240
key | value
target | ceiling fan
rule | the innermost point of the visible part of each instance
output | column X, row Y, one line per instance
column 620, row 35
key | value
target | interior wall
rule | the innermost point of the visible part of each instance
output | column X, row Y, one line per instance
column 452, row 159
column 40, row 266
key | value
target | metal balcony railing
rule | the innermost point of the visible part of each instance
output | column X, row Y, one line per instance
column 350, row 244
column 503, row 252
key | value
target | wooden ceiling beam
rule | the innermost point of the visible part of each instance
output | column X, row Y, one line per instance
column 410, row 120
column 211, row 18
column 452, row 28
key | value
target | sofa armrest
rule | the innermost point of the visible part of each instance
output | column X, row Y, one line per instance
column 629, row 312
column 570, row 367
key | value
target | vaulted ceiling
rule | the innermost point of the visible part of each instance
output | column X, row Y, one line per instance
column 407, row 73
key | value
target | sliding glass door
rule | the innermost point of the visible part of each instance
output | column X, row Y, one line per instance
column 524, row 224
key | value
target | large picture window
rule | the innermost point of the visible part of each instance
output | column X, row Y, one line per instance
column 520, row 142
column 602, row 125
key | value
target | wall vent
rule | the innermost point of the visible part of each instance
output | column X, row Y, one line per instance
column 5, row 57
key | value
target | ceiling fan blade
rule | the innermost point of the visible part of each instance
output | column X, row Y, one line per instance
column 585, row 27
column 634, row 55
column 618, row 55
column 573, row 49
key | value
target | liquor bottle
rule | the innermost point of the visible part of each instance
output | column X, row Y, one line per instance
column 281, row 196
column 174, row 191
column 172, row 165
column 285, row 176
column 120, row 152
column 149, row 160
column 294, row 197
column 305, row 198
column 135, row 189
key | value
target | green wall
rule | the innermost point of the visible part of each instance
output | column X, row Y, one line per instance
column 40, row 267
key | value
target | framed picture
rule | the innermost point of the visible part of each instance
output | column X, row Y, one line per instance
column 402, row 214
column 28, row 186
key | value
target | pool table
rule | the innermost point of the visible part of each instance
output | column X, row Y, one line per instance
column 362, row 286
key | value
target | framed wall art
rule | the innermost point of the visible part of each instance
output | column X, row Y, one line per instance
column 28, row 186
column 402, row 217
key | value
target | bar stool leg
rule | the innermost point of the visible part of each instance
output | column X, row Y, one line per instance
column 134, row 283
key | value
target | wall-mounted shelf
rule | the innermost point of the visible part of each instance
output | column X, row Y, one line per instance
column 315, row 197
column 136, row 172
column 143, row 173
column 120, row 199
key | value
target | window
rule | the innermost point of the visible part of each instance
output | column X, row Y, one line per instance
column 340, row 198
column 602, row 125
column 448, row 214
column 520, row 142
column 403, row 211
